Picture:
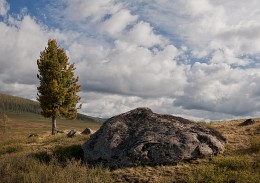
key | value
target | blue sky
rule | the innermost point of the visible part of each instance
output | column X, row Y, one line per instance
column 194, row 58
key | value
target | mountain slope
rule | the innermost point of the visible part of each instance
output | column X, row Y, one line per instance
column 13, row 104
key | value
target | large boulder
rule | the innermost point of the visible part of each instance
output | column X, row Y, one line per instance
column 141, row 137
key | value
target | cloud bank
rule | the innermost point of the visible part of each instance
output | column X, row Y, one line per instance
column 198, row 59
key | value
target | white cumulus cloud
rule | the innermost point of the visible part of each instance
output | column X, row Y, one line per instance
column 118, row 22
column 194, row 58
column 4, row 7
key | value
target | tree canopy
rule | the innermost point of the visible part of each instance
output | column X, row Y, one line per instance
column 57, row 92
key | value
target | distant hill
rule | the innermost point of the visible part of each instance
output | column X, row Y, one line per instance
column 9, row 103
column 13, row 104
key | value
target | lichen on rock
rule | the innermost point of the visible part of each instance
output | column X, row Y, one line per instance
column 141, row 137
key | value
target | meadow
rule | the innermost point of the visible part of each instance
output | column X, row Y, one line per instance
column 48, row 158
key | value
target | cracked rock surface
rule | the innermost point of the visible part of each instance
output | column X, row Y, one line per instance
column 141, row 137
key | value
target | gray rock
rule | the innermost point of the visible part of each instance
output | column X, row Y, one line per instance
column 72, row 133
column 141, row 137
column 88, row 131
column 33, row 135
column 247, row 122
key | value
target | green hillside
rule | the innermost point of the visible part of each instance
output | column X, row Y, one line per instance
column 17, row 105
column 21, row 117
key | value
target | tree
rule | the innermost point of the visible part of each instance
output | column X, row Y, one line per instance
column 58, row 88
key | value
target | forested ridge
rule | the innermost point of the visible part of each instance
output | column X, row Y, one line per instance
column 13, row 104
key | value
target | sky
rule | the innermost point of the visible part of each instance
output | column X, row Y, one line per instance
column 198, row 59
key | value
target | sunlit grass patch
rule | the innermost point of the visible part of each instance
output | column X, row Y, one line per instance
column 214, row 174
column 62, row 139
column 255, row 144
column 52, row 139
column 204, row 123
column 233, row 162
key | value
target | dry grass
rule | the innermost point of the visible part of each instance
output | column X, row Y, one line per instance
column 239, row 137
column 28, row 169
column 49, row 158
column 22, row 125
column 240, row 162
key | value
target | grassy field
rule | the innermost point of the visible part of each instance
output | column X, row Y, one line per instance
column 24, row 124
column 48, row 158
column 24, row 117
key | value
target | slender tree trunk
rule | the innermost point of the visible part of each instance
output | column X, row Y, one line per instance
column 54, row 128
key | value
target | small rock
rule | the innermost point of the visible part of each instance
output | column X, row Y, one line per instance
column 88, row 131
column 247, row 122
column 33, row 135
column 72, row 133
column 60, row 131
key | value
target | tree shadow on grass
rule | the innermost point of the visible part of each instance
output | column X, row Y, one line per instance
column 61, row 154
column 66, row 153
column 42, row 156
